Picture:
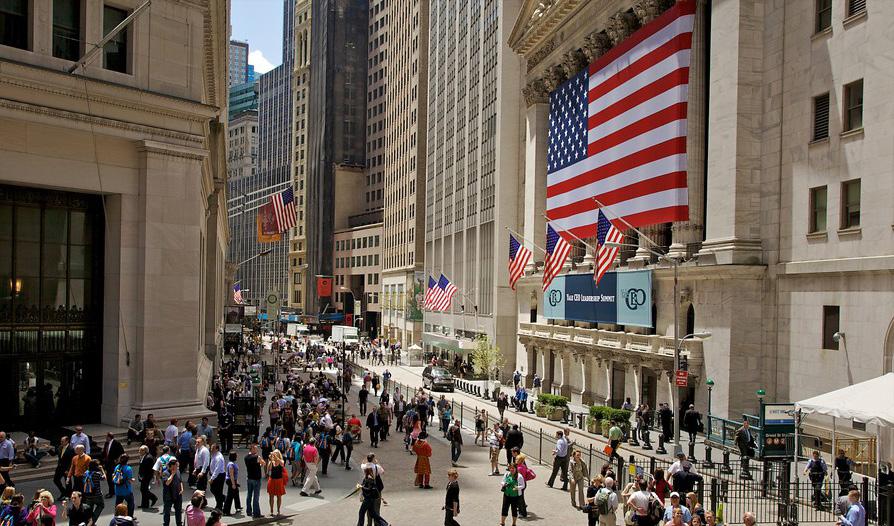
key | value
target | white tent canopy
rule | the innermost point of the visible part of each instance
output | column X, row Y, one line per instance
column 869, row 402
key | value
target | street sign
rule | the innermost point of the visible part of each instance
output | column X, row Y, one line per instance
column 356, row 307
column 682, row 378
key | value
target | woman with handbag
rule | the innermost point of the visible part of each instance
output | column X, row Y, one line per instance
column 528, row 475
column 369, row 494
column 512, row 486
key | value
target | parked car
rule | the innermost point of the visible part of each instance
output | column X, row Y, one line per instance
column 437, row 378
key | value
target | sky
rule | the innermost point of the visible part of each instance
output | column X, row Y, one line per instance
column 259, row 22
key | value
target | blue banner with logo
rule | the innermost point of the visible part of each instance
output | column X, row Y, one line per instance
column 624, row 298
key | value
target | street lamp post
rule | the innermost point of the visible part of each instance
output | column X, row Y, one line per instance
column 678, row 342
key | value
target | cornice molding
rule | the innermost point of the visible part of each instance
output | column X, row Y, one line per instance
column 37, row 80
column 64, row 115
column 538, row 20
column 172, row 150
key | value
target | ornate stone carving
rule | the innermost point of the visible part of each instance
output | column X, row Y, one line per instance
column 648, row 10
column 553, row 77
column 535, row 93
column 542, row 9
column 573, row 62
column 620, row 26
column 595, row 45
column 540, row 53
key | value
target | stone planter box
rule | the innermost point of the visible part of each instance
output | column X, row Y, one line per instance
column 556, row 413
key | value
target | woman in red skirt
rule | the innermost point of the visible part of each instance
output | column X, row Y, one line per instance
column 276, row 481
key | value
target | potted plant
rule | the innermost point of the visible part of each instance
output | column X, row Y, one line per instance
column 553, row 406
column 594, row 423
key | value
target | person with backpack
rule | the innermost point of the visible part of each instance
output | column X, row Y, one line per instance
column 645, row 508
column 122, row 478
column 604, row 504
column 580, row 474
column 92, row 484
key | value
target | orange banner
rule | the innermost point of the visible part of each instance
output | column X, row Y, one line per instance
column 267, row 232
column 324, row 287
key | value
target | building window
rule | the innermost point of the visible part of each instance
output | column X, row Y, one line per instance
column 855, row 7
column 818, row 209
column 67, row 29
column 853, row 100
column 115, row 52
column 820, row 117
column 14, row 23
column 823, row 15
column 850, row 204
column 831, row 315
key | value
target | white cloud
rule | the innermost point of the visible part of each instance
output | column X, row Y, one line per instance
column 257, row 59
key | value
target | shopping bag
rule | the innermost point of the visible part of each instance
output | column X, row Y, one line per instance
column 607, row 450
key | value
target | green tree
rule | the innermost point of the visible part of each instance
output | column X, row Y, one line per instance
column 487, row 359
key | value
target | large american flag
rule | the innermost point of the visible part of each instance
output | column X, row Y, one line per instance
column 432, row 284
column 557, row 250
column 284, row 209
column 443, row 294
column 618, row 131
column 605, row 233
column 518, row 260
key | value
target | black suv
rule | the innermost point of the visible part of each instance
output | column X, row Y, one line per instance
column 437, row 378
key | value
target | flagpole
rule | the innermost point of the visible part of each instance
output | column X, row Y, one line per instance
column 591, row 247
column 524, row 239
column 647, row 238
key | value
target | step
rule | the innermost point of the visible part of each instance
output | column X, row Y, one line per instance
column 26, row 473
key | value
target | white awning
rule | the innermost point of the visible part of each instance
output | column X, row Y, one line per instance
column 871, row 402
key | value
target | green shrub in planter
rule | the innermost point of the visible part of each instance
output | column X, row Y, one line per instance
column 606, row 425
column 541, row 410
column 593, row 425
column 598, row 411
column 553, row 400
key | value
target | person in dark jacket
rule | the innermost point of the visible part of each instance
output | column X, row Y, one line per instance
column 512, row 439
column 66, row 453
column 372, row 422
column 692, row 421
column 745, row 441
column 146, row 474
column 666, row 417
column 110, row 453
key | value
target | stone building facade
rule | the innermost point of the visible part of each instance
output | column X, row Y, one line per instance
column 112, row 211
column 789, row 238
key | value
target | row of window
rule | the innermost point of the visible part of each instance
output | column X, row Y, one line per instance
column 824, row 12
column 852, row 113
column 357, row 242
column 357, row 261
column 68, row 25
column 850, row 206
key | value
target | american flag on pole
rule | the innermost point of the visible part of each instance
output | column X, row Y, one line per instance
column 444, row 294
column 557, row 250
column 237, row 294
column 605, row 233
column 519, row 256
column 284, row 209
column 432, row 284
column 617, row 131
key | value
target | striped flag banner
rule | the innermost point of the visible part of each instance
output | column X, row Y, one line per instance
column 284, row 209
column 432, row 284
column 606, row 233
column 618, row 131
column 557, row 249
column 519, row 256
column 444, row 294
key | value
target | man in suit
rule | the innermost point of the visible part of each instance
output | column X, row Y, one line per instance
column 746, row 443
column 372, row 422
column 110, row 453
column 146, row 474
column 66, row 453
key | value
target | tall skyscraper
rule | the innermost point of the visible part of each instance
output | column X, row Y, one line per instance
column 376, row 97
column 406, row 80
column 471, row 165
column 336, row 121
column 272, row 174
column 238, row 67
column 298, row 276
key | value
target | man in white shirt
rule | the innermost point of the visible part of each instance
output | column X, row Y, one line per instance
column 494, row 438
column 201, row 464
column 217, row 476
column 326, row 421
column 560, row 461
column 171, row 434
column 678, row 465
column 80, row 439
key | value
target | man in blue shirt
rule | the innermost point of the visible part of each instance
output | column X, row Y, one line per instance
column 185, row 451
column 560, row 461
column 856, row 514
column 80, row 439
column 7, row 456
column 675, row 503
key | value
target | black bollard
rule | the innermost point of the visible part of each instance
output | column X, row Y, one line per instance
column 708, row 463
column 652, row 464
column 725, row 468
column 661, row 449
column 692, row 453
column 647, row 443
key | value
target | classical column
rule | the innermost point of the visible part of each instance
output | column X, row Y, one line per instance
column 670, row 386
column 565, row 388
column 637, row 383
column 687, row 232
column 536, row 142
column 608, row 381
column 733, row 219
